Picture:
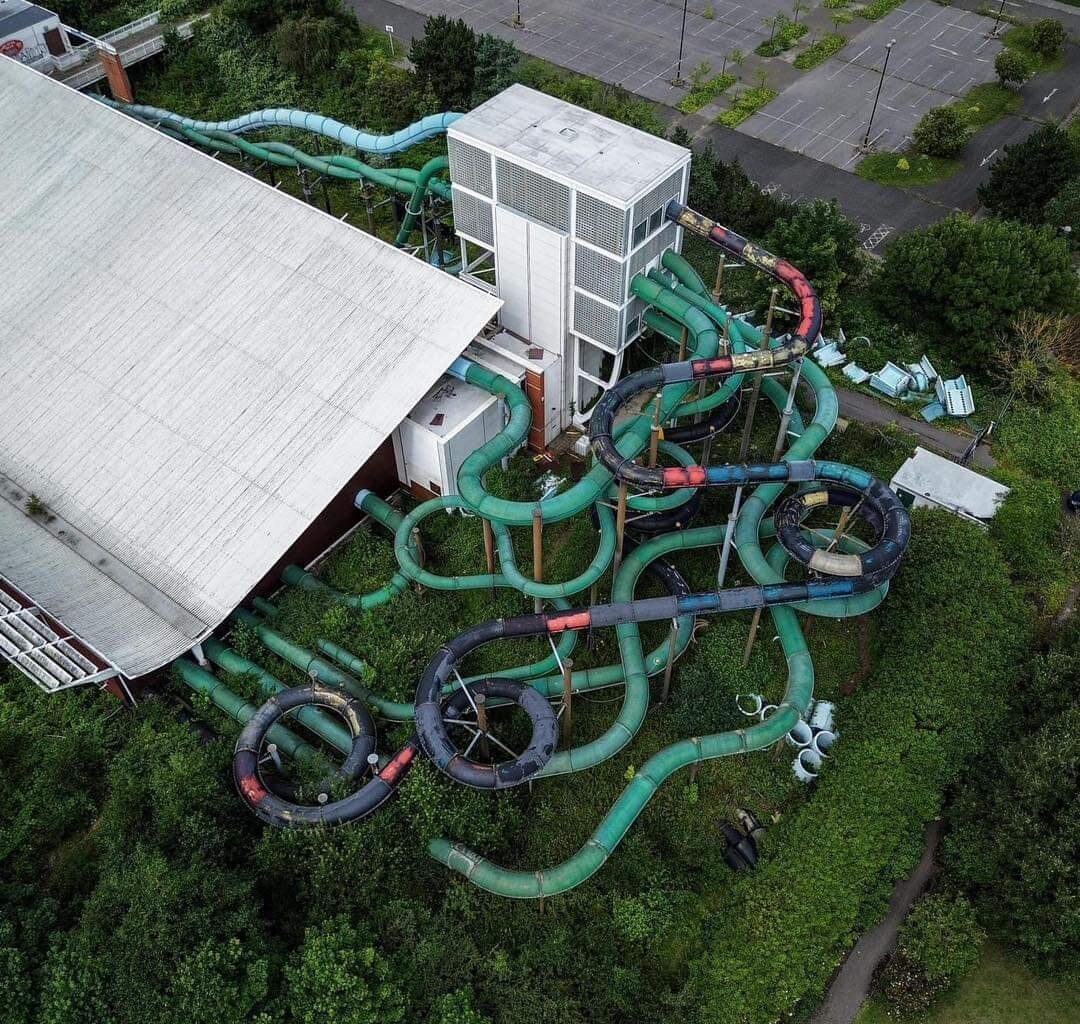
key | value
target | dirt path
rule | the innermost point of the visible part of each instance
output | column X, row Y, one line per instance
column 851, row 985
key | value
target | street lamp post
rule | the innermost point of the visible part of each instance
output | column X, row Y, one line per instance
column 997, row 20
column 678, row 79
column 517, row 15
column 870, row 124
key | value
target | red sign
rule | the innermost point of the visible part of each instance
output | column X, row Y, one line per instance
column 12, row 48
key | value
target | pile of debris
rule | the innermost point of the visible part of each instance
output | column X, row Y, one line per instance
column 912, row 382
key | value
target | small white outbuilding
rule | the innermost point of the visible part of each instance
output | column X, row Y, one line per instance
column 927, row 480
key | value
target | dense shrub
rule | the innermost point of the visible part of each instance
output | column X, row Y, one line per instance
column 968, row 280
column 931, row 705
column 1012, row 67
column 941, row 132
column 1015, row 839
column 1026, row 527
column 1047, row 37
column 1030, row 174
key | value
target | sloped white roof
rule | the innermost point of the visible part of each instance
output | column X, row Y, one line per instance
column 192, row 365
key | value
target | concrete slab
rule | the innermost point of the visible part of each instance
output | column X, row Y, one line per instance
column 632, row 43
column 940, row 53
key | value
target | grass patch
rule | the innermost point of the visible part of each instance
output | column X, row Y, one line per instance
column 905, row 168
column 1019, row 38
column 819, row 51
column 785, row 35
column 878, row 9
column 998, row 991
column 748, row 102
column 705, row 93
column 986, row 103
column 836, row 5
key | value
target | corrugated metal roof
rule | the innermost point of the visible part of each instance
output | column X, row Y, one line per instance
column 596, row 152
column 191, row 366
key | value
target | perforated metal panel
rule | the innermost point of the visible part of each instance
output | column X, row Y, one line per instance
column 472, row 217
column 598, row 274
column 652, row 248
column 537, row 197
column 669, row 189
column 469, row 166
column 600, row 223
column 596, row 321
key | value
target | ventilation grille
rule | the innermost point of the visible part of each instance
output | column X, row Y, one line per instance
column 470, row 166
column 536, row 197
column 598, row 274
column 472, row 217
column 652, row 248
column 658, row 197
column 596, row 321
column 601, row 224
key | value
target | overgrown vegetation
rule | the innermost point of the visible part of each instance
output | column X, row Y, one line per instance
column 746, row 102
column 819, row 51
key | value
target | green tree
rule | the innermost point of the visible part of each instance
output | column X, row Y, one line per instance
column 15, row 986
column 1063, row 212
column 220, row 983
column 939, row 943
column 1015, row 822
column 309, row 47
column 456, row 1008
column 1047, row 37
column 823, row 243
column 496, row 61
column 1012, row 67
column 967, row 280
column 941, row 132
column 1030, row 174
column 445, row 59
column 337, row 978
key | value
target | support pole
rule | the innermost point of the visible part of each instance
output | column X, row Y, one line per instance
column 538, row 554
column 729, row 537
column 789, row 409
column 683, row 339
column 489, row 551
column 482, row 723
column 654, row 433
column 754, row 624
column 567, row 697
column 620, row 528
column 755, row 393
column 669, row 667
column 366, row 193
column 718, row 288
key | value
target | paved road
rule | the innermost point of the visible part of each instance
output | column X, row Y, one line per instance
column 862, row 408
column 851, row 985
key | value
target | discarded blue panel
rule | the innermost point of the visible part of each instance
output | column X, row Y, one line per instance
column 928, row 368
column 955, row 395
column 855, row 373
column 919, row 380
column 830, row 355
column 934, row 411
column 891, row 380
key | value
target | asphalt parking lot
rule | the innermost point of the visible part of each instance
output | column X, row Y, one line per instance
column 633, row 43
column 940, row 53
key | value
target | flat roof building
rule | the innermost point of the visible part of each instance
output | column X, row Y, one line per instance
column 193, row 365
column 927, row 480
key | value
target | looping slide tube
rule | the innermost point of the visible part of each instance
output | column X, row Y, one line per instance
column 842, row 576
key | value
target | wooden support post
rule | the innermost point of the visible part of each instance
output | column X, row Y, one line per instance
column 670, row 666
column 489, row 551
column 620, row 528
column 482, row 723
column 683, row 339
column 725, row 346
column 538, row 554
column 694, row 768
column 718, row 289
column 567, row 697
column 366, row 193
column 419, row 546
column 754, row 624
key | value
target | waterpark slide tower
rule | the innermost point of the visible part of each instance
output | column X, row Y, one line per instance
column 557, row 209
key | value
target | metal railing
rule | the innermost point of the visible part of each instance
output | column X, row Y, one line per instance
column 95, row 72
